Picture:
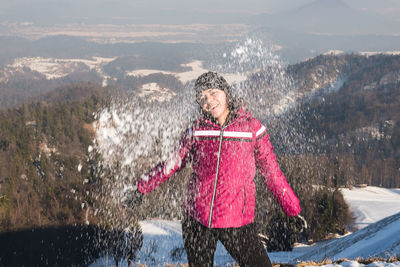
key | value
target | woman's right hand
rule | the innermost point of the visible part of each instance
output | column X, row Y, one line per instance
column 131, row 197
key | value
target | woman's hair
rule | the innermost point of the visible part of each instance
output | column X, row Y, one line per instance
column 212, row 80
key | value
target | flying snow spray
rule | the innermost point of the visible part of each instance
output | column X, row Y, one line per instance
column 136, row 133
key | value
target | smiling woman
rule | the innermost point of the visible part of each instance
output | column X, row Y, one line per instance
column 213, row 102
column 225, row 146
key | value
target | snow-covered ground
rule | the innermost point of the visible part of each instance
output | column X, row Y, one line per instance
column 372, row 204
column 187, row 76
column 376, row 211
column 365, row 53
column 54, row 68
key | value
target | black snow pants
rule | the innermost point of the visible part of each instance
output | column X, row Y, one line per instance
column 243, row 243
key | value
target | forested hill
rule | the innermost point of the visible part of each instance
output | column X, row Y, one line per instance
column 348, row 106
column 355, row 115
column 44, row 172
column 369, row 93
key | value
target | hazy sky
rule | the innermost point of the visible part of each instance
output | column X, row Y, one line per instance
column 253, row 6
column 250, row 6
column 141, row 11
column 171, row 11
column 278, row 19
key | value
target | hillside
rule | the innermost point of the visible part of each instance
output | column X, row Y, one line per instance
column 344, row 120
column 347, row 110
column 44, row 170
column 358, row 120
column 380, row 239
column 163, row 243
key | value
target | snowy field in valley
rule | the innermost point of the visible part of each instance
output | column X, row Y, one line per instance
column 372, row 204
column 377, row 215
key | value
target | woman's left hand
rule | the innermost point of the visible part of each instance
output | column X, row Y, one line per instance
column 300, row 223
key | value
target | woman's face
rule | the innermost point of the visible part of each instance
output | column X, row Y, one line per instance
column 213, row 102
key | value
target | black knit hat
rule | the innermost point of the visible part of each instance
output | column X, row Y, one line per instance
column 212, row 80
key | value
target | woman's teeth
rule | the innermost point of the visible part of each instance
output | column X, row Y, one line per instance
column 211, row 108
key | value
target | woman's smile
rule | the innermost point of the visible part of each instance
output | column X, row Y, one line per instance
column 213, row 101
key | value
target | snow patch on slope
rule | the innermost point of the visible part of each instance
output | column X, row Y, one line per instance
column 196, row 70
column 153, row 92
column 381, row 239
column 372, row 204
column 53, row 68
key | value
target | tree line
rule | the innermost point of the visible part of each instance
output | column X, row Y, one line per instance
column 360, row 123
column 45, row 173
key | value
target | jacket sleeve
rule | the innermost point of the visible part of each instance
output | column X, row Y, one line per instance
column 164, row 170
column 273, row 177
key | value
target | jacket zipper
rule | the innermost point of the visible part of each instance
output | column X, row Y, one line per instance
column 244, row 201
column 216, row 177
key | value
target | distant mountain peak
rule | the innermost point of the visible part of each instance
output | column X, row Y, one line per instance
column 332, row 5
column 330, row 17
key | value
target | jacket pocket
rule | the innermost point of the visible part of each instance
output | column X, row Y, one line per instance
column 244, row 199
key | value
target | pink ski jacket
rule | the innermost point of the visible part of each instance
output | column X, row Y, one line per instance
column 221, row 190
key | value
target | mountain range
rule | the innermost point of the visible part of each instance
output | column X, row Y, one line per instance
column 345, row 125
column 329, row 17
column 319, row 16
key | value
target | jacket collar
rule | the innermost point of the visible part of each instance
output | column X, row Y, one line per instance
column 232, row 118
